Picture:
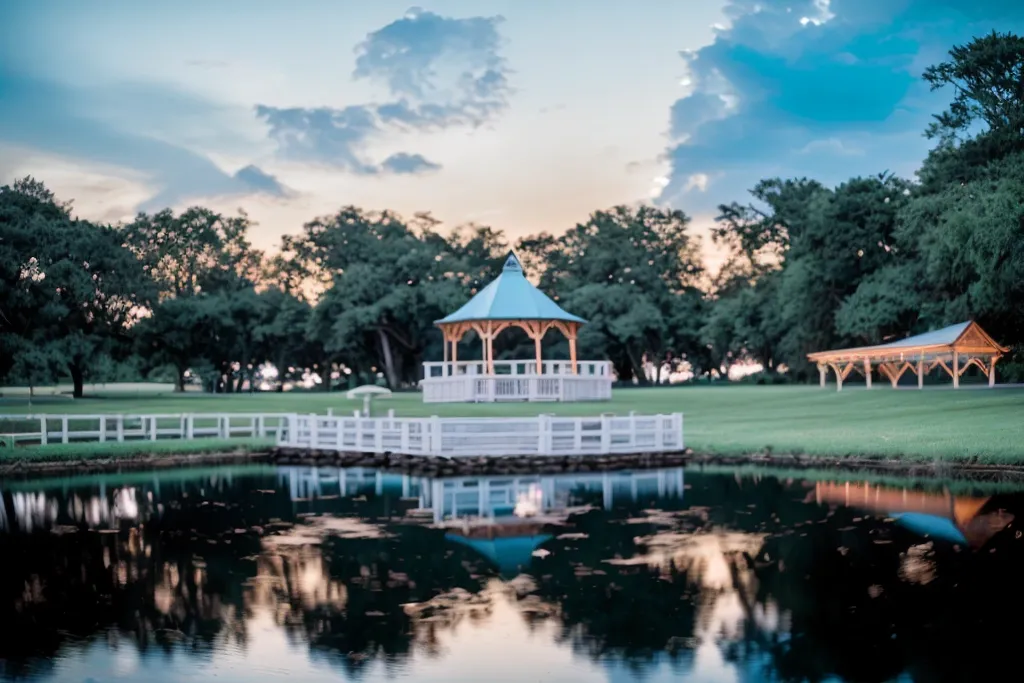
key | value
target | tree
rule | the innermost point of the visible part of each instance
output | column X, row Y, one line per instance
column 633, row 273
column 194, row 252
column 68, row 285
column 385, row 283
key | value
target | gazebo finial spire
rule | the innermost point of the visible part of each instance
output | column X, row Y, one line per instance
column 512, row 263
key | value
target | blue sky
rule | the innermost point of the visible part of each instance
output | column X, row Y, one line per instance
column 523, row 114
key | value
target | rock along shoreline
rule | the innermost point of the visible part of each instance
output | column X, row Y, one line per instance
column 439, row 467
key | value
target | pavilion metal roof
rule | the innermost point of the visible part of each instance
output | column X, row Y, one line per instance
column 967, row 334
column 510, row 296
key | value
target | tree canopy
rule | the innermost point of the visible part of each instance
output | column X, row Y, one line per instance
column 352, row 296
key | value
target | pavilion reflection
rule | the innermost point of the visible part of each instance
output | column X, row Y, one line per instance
column 967, row 520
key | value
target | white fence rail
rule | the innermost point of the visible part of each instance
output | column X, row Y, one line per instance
column 49, row 429
column 454, row 437
column 491, row 388
column 450, row 437
column 587, row 368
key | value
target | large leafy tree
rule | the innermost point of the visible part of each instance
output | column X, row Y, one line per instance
column 633, row 274
column 206, row 273
column 71, row 289
column 385, row 281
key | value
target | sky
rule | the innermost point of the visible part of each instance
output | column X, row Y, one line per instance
column 525, row 115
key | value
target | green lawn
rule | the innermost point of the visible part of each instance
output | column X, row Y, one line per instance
column 938, row 423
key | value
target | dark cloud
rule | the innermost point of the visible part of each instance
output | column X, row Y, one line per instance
column 69, row 122
column 403, row 164
column 334, row 135
column 441, row 71
column 812, row 87
column 257, row 180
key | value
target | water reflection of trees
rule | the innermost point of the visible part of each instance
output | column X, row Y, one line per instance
column 346, row 596
column 755, row 570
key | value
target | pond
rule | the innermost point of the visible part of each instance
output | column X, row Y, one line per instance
column 256, row 573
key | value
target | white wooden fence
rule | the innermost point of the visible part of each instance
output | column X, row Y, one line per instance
column 450, row 437
column 454, row 437
column 49, row 429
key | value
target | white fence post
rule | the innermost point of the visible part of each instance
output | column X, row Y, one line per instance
column 606, row 434
column 119, row 426
column 103, row 428
column 436, row 441
column 64, row 429
column 44, row 436
column 404, row 438
column 152, row 428
column 659, row 432
column 544, row 440
column 314, row 431
column 190, row 427
column 378, row 435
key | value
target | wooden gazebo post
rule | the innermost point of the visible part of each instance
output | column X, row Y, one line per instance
column 572, row 347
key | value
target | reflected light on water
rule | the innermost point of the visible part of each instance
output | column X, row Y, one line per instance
column 328, row 575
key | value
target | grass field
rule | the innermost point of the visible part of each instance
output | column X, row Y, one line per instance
column 980, row 424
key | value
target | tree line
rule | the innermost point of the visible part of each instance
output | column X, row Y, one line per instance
column 185, row 296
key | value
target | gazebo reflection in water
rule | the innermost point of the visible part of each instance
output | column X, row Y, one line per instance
column 501, row 517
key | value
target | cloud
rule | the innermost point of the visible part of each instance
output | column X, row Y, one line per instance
column 440, row 71
column 71, row 122
column 325, row 134
column 403, row 164
column 261, row 182
column 433, row 59
column 813, row 87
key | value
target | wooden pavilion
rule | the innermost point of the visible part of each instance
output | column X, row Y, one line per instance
column 512, row 301
column 954, row 349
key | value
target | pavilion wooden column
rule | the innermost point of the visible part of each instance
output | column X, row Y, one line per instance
column 920, row 373
column 867, row 373
column 839, row 376
column 956, row 369
column 992, row 371
column 822, row 374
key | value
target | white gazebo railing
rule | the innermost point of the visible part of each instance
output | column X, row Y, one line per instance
column 469, row 381
column 454, row 437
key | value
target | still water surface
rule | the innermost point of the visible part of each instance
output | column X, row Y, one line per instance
column 259, row 574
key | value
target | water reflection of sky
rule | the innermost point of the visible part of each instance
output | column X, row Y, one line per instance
column 258, row 574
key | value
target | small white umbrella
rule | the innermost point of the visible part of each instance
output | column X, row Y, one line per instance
column 367, row 392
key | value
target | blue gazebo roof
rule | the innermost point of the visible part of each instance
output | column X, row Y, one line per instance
column 510, row 297
column 508, row 554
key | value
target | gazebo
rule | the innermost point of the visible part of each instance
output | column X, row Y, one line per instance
column 511, row 301
column 954, row 349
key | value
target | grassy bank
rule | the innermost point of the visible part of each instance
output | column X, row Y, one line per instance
column 130, row 450
column 980, row 424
